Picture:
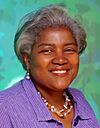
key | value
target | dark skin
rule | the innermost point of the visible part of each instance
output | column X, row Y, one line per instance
column 53, row 65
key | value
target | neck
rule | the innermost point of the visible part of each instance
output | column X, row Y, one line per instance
column 55, row 98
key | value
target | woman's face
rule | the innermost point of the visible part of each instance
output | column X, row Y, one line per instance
column 54, row 59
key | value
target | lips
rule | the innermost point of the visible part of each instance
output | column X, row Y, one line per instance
column 60, row 72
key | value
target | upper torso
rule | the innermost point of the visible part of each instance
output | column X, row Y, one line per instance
column 22, row 107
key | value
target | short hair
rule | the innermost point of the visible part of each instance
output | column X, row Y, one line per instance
column 50, row 16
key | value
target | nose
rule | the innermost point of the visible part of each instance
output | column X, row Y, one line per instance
column 60, row 59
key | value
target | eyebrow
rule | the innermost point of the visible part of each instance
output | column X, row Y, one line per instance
column 72, row 43
column 45, row 44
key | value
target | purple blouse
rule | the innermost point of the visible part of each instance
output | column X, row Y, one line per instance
column 22, row 107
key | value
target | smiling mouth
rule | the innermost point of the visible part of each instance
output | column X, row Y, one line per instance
column 61, row 73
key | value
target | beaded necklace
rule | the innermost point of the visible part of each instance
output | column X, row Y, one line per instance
column 66, row 108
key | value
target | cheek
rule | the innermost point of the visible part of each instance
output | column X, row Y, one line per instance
column 39, row 63
column 75, row 62
column 75, row 65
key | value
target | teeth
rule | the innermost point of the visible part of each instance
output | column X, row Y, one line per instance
column 60, row 71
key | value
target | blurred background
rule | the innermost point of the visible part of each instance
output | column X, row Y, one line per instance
column 87, row 12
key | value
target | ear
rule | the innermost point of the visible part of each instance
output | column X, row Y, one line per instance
column 26, row 59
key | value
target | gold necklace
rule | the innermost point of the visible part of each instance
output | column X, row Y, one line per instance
column 66, row 109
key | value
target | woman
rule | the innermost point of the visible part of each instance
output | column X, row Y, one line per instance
column 48, row 44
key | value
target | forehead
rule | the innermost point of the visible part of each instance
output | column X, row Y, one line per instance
column 56, row 35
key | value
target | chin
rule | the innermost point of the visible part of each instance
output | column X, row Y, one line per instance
column 61, row 87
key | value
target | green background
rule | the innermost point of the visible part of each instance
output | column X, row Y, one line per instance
column 87, row 11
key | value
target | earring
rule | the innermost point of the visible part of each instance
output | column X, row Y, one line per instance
column 27, row 76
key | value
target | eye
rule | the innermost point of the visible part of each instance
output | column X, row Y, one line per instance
column 70, row 50
column 46, row 51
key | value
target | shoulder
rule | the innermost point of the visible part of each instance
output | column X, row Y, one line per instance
column 79, row 97
column 77, row 94
column 75, row 91
column 83, row 107
column 81, row 101
column 9, row 98
column 10, row 93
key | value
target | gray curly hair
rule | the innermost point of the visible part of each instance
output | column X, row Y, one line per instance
column 50, row 16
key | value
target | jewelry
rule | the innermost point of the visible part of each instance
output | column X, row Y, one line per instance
column 28, row 76
column 67, row 107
